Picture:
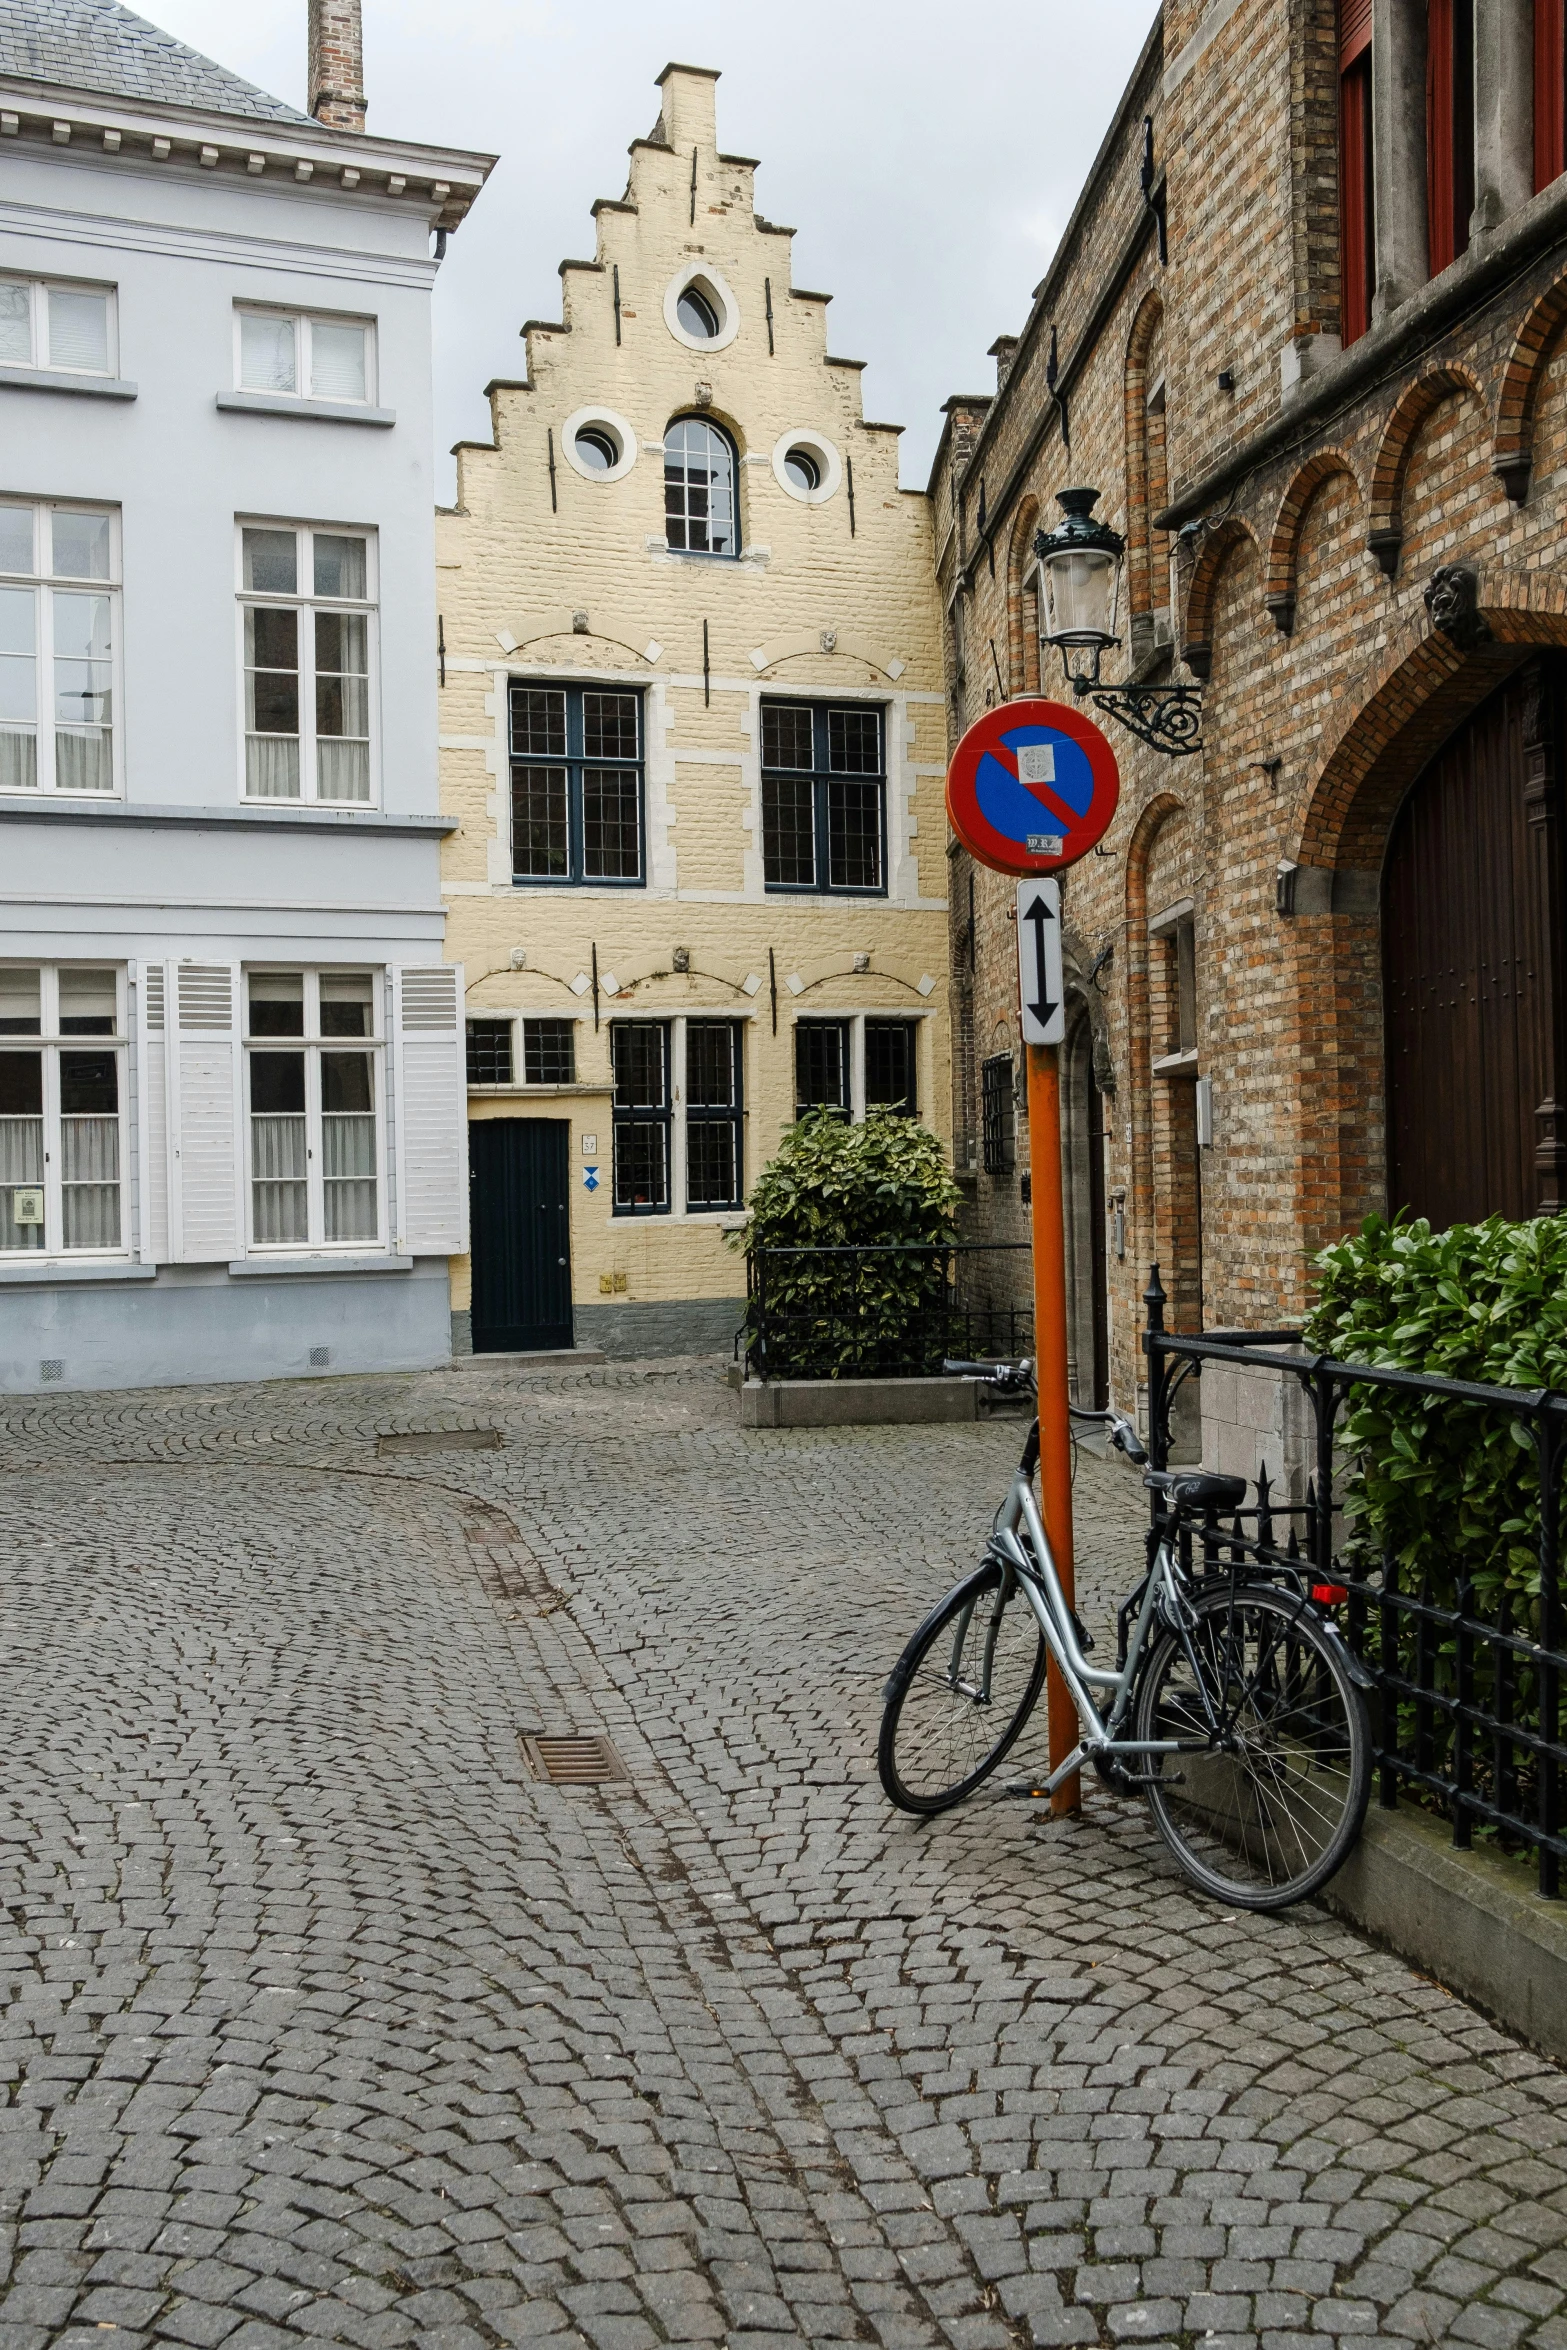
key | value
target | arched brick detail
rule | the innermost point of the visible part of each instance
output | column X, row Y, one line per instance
column 1139, row 1109
column 1197, row 643
column 1022, row 642
column 1141, row 503
column 1385, row 532
column 1423, row 686
column 1518, row 398
column 1279, row 592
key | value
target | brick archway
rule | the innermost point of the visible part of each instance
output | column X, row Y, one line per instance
column 1423, row 689
column 1518, row 399
column 1385, row 527
column 1279, row 591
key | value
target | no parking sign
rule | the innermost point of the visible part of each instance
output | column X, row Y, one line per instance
column 1032, row 787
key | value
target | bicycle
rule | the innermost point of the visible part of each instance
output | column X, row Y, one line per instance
column 1236, row 1672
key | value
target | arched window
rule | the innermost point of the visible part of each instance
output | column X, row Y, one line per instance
column 699, row 488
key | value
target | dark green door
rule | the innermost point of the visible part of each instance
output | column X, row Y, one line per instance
column 519, row 1170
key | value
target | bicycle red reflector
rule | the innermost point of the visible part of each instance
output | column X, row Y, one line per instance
column 1329, row 1594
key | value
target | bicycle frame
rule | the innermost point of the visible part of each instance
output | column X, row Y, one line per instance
column 1019, row 1541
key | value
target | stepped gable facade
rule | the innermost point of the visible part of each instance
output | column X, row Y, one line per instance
column 693, row 736
column 1304, row 333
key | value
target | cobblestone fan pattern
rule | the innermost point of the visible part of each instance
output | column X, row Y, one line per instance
column 323, row 2019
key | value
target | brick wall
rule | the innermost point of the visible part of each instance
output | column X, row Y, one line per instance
column 1311, row 503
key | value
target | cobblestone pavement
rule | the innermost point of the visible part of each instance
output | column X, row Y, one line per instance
column 323, row 2019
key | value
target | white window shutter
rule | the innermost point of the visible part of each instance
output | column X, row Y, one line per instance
column 431, row 1110
column 152, row 1138
column 206, row 1125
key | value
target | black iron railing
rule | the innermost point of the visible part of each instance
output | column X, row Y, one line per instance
column 1469, row 1674
column 893, row 1312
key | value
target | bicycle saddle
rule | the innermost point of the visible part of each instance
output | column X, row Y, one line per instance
column 1197, row 1489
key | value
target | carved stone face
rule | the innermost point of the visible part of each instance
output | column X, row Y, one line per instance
column 1450, row 599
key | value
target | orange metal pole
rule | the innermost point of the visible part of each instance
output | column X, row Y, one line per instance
column 1055, row 1430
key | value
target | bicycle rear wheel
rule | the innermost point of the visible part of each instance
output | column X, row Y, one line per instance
column 1271, row 1808
column 960, row 1693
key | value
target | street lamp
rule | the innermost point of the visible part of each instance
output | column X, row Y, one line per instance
column 1079, row 582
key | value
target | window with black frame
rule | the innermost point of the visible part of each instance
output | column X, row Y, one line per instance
column 715, row 1155
column 576, row 785
column 998, row 1115
column 549, row 1054
column 639, row 1055
column 821, row 1066
column 891, row 1066
column 489, row 1052
column 824, row 798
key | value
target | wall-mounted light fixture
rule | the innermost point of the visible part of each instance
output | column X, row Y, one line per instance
column 1080, row 577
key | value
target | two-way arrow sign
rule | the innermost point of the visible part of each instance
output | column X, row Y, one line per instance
column 1039, row 962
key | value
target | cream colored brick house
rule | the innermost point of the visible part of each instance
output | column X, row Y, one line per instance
column 692, row 728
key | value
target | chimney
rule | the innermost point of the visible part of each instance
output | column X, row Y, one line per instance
column 337, row 65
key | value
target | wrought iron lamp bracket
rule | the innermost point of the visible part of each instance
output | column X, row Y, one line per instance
column 1166, row 717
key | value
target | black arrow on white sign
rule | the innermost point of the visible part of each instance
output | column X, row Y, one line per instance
column 1039, row 962
column 1038, row 915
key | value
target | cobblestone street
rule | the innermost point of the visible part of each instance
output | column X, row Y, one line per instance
column 325, row 2019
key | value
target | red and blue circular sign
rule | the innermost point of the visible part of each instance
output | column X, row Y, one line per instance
column 1032, row 787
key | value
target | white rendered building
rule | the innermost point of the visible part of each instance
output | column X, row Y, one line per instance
column 231, row 1093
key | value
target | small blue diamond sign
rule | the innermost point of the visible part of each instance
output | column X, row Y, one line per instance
column 590, row 1178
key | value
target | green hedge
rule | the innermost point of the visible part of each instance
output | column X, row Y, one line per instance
column 1448, row 1490
column 834, row 1185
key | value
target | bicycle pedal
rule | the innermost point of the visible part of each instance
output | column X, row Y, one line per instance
column 1027, row 1792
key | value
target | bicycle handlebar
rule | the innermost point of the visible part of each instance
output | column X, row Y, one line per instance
column 1015, row 1378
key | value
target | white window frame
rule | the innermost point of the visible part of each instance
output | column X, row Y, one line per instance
column 42, row 361
column 312, row 1044
column 307, row 605
column 50, row 1042
column 46, row 585
column 855, row 1022
column 304, row 323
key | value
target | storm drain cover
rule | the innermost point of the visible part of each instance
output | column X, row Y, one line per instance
column 575, row 1759
column 440, row 1440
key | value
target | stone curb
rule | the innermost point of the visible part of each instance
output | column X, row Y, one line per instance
column 1462, row 1917
column 840, row 1403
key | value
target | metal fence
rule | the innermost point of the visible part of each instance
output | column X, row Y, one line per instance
column 1469, row 1673
column 893, row 1312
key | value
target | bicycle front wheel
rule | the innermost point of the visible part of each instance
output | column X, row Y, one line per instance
column 1270, row 1808
column 961, row 1692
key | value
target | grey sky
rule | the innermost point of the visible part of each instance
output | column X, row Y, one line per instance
column 928, row 156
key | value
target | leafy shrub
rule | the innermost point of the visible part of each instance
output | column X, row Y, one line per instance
column 1448, row 1493
column 834, row 1185
column 1447, row 1488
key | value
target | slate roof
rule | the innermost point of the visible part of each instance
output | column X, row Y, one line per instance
column 98, row 45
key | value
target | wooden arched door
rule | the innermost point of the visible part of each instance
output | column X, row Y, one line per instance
column 1472, row 967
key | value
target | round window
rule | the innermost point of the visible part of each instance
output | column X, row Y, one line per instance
column 804, row 470
column 596, row 448
column 698, row 315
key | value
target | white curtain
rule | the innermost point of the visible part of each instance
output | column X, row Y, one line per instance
column 348, row 1172
column 277, row 1166
column 90, row 1180
column 272, row 766
column 21, row 1162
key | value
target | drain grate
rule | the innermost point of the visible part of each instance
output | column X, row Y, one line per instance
column 575, row 1759
column 440, row 1440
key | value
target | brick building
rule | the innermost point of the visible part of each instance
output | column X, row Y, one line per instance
column 692, row 730
column 1304, row 335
